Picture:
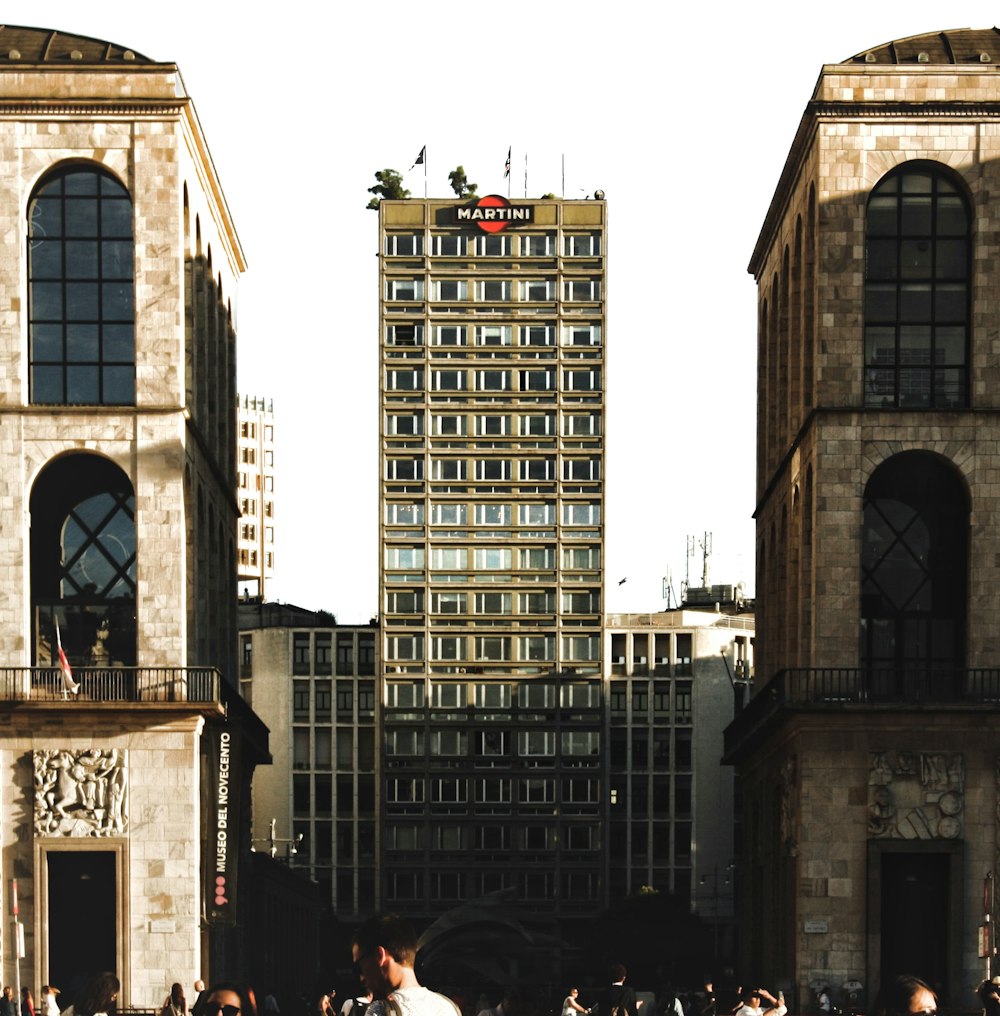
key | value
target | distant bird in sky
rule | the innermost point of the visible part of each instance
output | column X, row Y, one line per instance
column 622, row 582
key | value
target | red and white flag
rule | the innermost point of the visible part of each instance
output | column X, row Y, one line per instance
column 67, row 671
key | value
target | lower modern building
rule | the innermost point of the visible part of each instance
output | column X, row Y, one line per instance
column 313, row 682
column 674, row 682
column 868, row 758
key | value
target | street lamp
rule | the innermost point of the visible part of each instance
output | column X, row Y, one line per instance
column 714, row 876
column 272, row 840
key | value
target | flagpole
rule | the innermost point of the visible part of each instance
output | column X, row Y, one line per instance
column 425, row 172
column 526, row 175
column 508, row 170
column 564, row 174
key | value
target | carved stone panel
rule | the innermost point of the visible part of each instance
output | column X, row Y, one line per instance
column 81, row 793
column 916, row 795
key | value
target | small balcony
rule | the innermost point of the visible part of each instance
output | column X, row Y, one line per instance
column 860, row 689
column 193, row 685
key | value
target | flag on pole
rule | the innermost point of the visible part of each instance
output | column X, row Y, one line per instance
column 69, row 685
column 421, row 156
column 506, row 168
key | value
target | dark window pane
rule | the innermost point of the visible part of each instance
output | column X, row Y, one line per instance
column 45, row 217
column 81, row 217
column 915, row 302
column 915, row 216
column 119, row 386
column 119, row 343
column 81, row 259
column 46, row 343
column 951, row 217
column 46, row 301
column 82, row 344
column 882, row 262
column 116, row 218
column 46, row 259
column 46, row 385
column 952, row 303
column 951, row 262
column 82, row 385
column 81, row 181
column 118, row 301
column 82, row 301
column 116, row 259
column 880, row 303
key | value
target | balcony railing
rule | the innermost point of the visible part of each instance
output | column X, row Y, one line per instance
column 853, row 688
column 111, row 684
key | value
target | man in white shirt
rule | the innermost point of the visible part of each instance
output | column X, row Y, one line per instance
column 384, row 949
column 752, row 1007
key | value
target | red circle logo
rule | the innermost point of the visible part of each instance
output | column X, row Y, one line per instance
column 492, row 225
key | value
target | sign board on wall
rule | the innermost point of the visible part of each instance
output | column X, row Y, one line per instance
column 493, row 213
column 221, row 794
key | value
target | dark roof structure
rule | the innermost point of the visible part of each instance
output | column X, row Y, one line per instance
column 22, row 45
column 954, row 46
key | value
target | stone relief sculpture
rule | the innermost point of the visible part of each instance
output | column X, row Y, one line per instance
column 81, row 793
column 916, row 795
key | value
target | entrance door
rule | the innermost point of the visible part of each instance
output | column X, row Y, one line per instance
column 915, row 892
column 81, row 918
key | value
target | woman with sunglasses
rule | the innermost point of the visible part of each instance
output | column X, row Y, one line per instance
column 229, row 999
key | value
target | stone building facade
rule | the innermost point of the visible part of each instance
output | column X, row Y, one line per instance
column 117, row 466
column 868, row 757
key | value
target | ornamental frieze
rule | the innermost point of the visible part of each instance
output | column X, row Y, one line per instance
column 81, row 793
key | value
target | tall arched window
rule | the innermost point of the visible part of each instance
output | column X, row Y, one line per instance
column 918, row 258
column 83, row 560
column 914, row 569
column 81, row 318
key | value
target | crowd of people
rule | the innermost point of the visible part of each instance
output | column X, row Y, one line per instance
column 384, row 952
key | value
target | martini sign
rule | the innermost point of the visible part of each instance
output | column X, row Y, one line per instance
column 494, row 213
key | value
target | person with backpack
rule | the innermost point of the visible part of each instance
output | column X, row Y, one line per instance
column 356, row 1006
column 618, row 999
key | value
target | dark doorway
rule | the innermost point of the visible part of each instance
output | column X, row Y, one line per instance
column 81, row 919
column 915, row 891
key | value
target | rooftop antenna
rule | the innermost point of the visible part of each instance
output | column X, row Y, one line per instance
column 668, row 590
column 688, row 554
column 706, row 551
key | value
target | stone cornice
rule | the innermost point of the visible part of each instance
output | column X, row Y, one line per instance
column 823, row 111
column 914, row 110
column 172, row 107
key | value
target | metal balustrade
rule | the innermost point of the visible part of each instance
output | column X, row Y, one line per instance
column 819, row 688
column 111, row 684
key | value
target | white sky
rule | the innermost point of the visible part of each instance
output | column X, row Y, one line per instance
column 682, row 114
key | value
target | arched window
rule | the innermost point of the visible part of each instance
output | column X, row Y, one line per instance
column 918, row 258
column 81, row 318
column 914, row 569
column 83, row 557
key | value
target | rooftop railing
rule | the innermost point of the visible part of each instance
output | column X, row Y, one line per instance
column 831, row 688
column 111, row 684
